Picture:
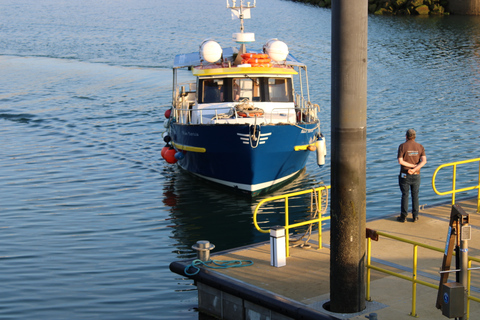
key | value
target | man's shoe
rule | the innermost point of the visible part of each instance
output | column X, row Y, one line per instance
column 401, row 218
column 415, row 219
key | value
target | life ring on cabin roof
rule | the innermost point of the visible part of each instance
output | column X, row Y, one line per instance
column 250, row 55
column 258, row 61
column 257, row 64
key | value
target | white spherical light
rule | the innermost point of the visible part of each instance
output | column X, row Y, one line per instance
column 277, row 50
column 210, row 51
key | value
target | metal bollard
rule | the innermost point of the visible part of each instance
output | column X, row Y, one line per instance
column 203, row 248
column 278, row 255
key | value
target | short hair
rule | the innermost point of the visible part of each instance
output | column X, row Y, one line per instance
column 410, row 134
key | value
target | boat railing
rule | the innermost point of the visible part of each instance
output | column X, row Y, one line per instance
column 186, row 115
column 183, row 95
column 308, row 110
column 183, row 112
column 318, row 200
column 454, row 189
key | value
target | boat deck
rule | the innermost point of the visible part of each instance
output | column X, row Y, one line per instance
column 305, row 279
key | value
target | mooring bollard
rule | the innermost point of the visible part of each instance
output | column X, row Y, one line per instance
column 278, row 255
column 371, row 316
column 203, row 248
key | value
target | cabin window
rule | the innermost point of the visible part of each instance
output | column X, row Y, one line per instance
column 214, row 90
column 280, row 90
column 246, row 88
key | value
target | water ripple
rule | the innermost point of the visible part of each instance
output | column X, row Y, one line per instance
column 91, row 216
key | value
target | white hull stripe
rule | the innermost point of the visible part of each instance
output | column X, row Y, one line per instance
column 247, row 187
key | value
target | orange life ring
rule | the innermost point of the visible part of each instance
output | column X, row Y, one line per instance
column 250, row 55
column 258, row 61
column 246, row 114
column 261, row 56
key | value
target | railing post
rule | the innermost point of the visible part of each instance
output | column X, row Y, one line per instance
column 469, row 274
column 414, row 282
column 287, row 228
column 454, row 183
column 369, row 260
column 320, row 246
column 478, row 189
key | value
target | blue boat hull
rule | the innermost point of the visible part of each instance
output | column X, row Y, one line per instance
column 249, row 158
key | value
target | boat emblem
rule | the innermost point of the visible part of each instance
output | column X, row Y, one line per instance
column 245, row 138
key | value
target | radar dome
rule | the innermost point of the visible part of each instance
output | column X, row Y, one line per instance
column 210, row 51
column 246, row 37
column 277, row 50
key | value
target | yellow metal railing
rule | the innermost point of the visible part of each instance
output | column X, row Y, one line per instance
column 454, row 179
column 319, row 219
column 413, row 278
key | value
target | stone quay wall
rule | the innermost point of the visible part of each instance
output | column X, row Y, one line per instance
column 396, row 7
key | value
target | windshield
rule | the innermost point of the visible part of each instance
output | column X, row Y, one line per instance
column 262, row 89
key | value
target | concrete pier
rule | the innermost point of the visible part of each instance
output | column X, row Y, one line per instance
column 300, row 289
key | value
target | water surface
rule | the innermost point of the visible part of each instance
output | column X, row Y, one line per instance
column 91, row 216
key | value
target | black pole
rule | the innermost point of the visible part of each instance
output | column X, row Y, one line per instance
column 348, row 168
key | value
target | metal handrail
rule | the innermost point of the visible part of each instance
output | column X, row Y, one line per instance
column 413, row 278
column 289, row 226
column 453, row 191
column 185, row 114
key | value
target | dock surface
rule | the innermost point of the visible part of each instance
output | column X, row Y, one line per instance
column 305, row 278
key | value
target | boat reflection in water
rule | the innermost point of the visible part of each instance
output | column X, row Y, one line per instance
column 203, row 211
column 200, row 211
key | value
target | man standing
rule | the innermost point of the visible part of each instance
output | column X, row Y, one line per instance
column 411, row 157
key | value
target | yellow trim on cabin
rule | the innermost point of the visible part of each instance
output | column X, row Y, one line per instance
column 243, row 70
column 189, row 148
column 303, row 147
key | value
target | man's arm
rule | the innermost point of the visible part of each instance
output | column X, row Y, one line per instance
column 423, row 160
column 405, row 163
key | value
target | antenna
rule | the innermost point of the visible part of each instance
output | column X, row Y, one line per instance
column 241, row 11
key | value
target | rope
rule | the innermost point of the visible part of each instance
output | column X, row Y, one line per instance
column 216, row 264
column 313, row 215
column 253, row 137
column 305, row 129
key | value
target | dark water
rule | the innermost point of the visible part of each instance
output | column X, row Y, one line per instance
column 91, row 216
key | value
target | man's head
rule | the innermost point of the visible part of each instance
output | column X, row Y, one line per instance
column 410, row 134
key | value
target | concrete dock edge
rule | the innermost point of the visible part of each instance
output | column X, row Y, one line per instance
column 253, row 299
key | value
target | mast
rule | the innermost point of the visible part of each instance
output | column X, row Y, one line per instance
column 241, row 12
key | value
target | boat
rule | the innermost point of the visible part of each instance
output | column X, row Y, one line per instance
column 244, row 119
